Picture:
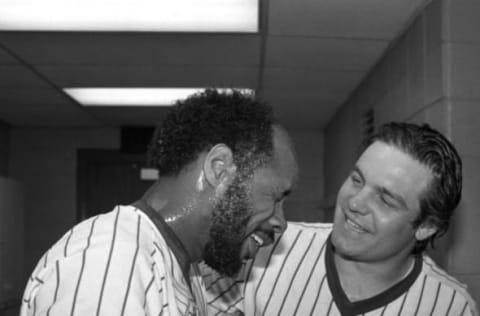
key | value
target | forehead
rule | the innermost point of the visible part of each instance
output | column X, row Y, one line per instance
column 389, row 167
column 282, row 169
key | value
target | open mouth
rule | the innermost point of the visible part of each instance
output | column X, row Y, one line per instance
column 258, row 240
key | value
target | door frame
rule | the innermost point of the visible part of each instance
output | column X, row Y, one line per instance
column 86, row 159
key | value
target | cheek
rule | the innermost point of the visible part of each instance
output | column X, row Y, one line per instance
column 260, row 214
column 343, row 197
column 262, row 206
column 395, row 226
column 346, row 191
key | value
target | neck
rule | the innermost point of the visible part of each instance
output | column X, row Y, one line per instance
column 362, row 280
column 181, row 209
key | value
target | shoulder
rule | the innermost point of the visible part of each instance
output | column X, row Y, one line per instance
column 446, row 287
column 301, row 245
column 96, row 258
column 122, row 230
column 298, row 236
column 122, row 224
column 308, row 228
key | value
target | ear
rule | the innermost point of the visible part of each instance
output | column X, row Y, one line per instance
column 219, row 168
column 425, row 230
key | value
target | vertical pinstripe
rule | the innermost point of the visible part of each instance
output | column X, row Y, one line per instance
column 34, row 306
column 132, row 267
column 146, row 291
column 451, row 302
column 403, row 304
column 310, row 277
column 57, row 275
column 421, row 295
column 277, row 285
column 296, row 271
column 67, row 242
column 318, row 296
column 280, row 273
column 83, row 267
column 115, row 225
column 383, row 310
column 264, row 272
column 46, row 259
column 330, row 307
column 436, row 298
column 115, row 263
column 464, row 308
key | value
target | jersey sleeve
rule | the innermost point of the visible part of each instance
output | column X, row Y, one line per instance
column 97, row 269
column 93, row 283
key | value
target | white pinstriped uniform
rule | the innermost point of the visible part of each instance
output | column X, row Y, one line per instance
column 301, row 279
column 111, row 264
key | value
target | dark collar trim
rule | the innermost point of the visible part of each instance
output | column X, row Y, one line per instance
column 360, row 307
column 170, row 237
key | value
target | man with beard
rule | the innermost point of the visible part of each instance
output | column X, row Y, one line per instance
column 398, row 198
column 225, row 169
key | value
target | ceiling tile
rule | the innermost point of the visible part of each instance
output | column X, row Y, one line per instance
column 32, row 96
column 301, row 79
column 18, row 76
column 134, row 49
column 324, row 54
column 371, row 19
column 151, row 76
column 310, row 110
column 6, row 58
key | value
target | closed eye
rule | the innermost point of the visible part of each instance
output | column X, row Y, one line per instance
column 356, row 177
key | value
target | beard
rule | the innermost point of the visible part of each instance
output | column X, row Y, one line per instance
column 230, row 216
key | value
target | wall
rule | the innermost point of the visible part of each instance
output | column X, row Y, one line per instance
column 431, row 74
column 4, row 148
column 305, row 202
column 44, row 161
column 461, row 41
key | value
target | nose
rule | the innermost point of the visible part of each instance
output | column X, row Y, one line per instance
column 278, row 221
column 358, row 202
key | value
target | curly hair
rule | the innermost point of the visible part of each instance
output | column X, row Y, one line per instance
column 201, row 121
column 433, row 150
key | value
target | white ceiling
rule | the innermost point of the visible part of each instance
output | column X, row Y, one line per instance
column 306, row 60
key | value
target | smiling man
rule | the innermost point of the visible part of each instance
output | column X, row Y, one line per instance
column 224, row 171
column 398, row 198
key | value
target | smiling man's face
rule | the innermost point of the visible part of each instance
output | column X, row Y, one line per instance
column 250, row 214
column 377, row 205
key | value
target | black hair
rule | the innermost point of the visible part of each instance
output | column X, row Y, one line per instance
column 437, row 153
column 196, row 124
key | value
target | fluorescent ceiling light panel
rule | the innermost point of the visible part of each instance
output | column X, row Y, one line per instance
column 130, row 15
column 134, row 96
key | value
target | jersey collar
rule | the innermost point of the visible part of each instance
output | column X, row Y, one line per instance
column 360, row 307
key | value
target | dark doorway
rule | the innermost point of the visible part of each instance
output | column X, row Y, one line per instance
column 107, row 178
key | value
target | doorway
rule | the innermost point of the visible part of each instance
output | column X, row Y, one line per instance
column 106, row 178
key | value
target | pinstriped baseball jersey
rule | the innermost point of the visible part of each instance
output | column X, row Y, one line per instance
column 116, row 263
column 301, row 279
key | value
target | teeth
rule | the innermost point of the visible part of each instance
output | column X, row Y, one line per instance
column 356, row 226
column 257, row 239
